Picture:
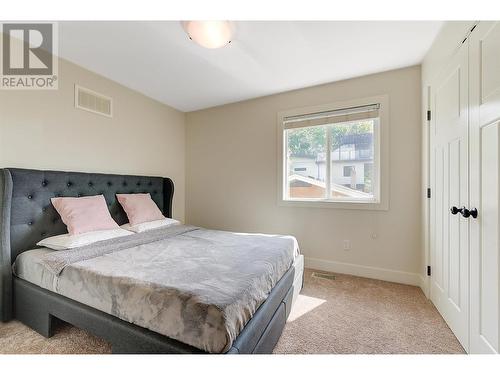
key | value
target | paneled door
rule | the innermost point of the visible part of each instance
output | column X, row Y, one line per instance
column 449, row 224
column 484, row 65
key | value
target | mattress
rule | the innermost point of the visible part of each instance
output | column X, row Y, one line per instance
column 28, row 266
column 197, row 286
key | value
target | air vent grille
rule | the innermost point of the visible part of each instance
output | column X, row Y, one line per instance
column 322, row 275
column 92, row 101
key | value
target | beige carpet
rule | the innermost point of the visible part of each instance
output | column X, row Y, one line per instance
column 348, row 315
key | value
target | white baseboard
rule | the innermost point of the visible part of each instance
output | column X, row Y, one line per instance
column 424, row 285
column 365, row 271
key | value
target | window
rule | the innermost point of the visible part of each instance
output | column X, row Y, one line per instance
column 333, row 156
column 347, row 170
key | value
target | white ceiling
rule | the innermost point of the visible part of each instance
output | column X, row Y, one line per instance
column 265, row 57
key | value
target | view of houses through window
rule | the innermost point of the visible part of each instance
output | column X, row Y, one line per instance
column 351, row 171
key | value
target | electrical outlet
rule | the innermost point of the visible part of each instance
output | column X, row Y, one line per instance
column 347, row 245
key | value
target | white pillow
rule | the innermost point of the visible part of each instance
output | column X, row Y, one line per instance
column 65, row 241
column 143, row 227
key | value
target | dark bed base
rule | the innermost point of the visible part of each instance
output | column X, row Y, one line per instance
column 38, row 308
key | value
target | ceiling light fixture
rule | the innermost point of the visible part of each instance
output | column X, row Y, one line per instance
column 209, row 34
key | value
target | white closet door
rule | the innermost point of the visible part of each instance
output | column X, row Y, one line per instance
column 484, row 186
column 449, row 186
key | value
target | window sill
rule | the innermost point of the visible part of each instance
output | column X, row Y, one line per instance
column 340, row 205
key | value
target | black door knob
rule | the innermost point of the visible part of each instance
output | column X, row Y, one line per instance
column 465, row 212
column 473, row 212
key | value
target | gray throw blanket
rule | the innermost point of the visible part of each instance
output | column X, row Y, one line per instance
column 197, row 286
column 57, row 261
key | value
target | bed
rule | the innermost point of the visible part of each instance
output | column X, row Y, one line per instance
column 228, row 292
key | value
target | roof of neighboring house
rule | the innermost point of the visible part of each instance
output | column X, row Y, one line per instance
column 340, row 189
column 320, row 159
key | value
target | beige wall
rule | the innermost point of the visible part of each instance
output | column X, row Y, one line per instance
column 42, row 129
column 231, row 179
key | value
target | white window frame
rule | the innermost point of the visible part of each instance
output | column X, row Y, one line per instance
column 381, row 158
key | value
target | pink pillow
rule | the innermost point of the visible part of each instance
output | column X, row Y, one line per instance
column 85, row 214
column 139, row 208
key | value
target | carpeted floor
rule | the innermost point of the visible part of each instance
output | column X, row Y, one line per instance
column 348, row 315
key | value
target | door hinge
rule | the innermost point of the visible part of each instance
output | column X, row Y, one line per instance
column 428, row 270
column 428, row 115
column 428, row 192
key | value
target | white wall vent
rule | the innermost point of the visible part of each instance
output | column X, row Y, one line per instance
column 92, row 101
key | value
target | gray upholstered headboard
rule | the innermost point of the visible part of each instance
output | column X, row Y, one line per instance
column 27, row 216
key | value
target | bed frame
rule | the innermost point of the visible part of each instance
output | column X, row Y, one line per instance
column 27, row 216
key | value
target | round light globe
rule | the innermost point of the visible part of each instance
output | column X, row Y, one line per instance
column 209, row 34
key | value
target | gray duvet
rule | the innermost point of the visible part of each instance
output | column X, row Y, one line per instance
column 195, row 285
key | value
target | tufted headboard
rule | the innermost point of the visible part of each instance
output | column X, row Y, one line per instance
column 27, row 216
